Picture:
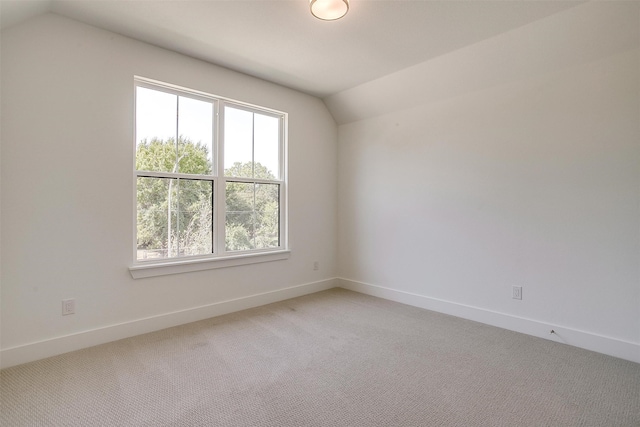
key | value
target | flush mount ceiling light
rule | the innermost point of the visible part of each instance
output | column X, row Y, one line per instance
column 329, row 10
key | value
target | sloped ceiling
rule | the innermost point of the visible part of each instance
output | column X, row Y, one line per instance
column 580, row 35
column 281, row 42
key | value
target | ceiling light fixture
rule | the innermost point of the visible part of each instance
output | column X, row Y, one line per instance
column 329, row 10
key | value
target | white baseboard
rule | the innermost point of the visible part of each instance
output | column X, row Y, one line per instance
column 59, row 345
column 589, row 341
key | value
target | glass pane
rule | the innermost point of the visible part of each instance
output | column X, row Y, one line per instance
column 239, row 231
column 252, row 216
column 239, row 216
column 194, row 231
column 266, row 147
column 195, row 144
column 155, row 130
column 238, row 143
column 153, row 208
column 173, row 249
column 174, row 217
column 267, row 225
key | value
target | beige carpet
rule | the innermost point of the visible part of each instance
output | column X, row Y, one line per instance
column 335, row 358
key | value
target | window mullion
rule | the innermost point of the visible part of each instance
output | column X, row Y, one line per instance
column 215, row 170
column 175, row 170
column 220, row 208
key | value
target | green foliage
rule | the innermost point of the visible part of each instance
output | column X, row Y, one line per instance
column 245, row 170
column 252, row 216
column 175, row 215
column 164, row 156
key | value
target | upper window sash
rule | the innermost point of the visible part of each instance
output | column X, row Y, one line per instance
column 260, row 128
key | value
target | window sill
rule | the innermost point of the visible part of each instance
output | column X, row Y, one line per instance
column 141, row 271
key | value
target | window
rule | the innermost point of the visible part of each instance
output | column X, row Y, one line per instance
column 210, row 176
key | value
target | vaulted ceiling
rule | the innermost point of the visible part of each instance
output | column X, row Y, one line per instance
column 280, row 41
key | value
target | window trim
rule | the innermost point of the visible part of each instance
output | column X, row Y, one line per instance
column 217, row 259
column 190, row 264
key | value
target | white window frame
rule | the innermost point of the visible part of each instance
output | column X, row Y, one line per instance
column 220, row 257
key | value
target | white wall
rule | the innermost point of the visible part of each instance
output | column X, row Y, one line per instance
column 514, row 161
column 454, row 190
column 67, row 182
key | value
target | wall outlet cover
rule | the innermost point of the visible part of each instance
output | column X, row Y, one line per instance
column 517, row 292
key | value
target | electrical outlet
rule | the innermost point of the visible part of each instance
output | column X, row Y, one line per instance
column 68, row 306
column 316, row 265
column 517, row 292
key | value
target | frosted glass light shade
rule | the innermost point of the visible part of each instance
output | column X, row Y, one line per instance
column 329, row 10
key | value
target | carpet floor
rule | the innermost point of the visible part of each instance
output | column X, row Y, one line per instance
column 334, row 358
